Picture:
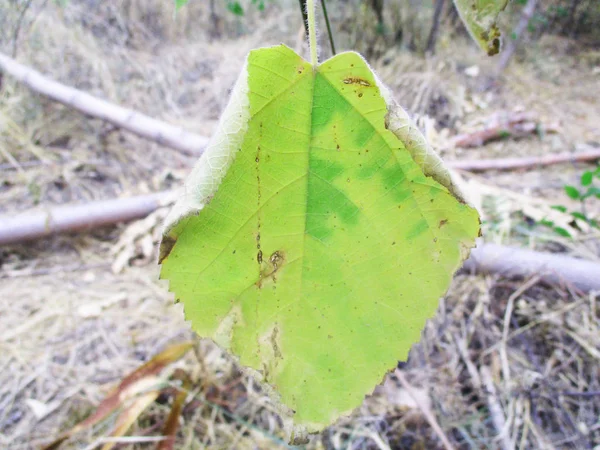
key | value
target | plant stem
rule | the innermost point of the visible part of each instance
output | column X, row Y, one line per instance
column 312, row 32
column 328, row 27
column 304, row 15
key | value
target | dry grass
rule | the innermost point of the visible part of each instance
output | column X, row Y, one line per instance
column 504, row 363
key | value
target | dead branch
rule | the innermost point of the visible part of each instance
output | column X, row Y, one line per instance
column 524, row 163
column 499, row 126
column 491, row 258
column 518, row 262
column 69, row 218
column 137, row 123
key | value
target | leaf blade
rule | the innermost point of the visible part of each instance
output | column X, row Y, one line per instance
column 282, row 265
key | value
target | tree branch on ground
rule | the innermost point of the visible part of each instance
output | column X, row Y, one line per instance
column 519, row 262
column 139, row 124
column 501, row 126
column 32, row 225
column 492, row 258
column 525, row 163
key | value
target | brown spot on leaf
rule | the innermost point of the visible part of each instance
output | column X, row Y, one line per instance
column 442, row 223
column 166, row 246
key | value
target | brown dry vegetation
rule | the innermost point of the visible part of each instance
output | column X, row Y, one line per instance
column 504, row 362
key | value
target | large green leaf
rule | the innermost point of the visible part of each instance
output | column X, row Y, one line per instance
column 480, row 17
column 310, row 242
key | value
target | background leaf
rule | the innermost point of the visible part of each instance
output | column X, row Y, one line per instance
column 480, row 17
column 180, row 3
column 586, row 178
column 572, row 192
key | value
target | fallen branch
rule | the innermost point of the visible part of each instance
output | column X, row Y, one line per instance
column 499, row 126
column 552, row 268
column 492, row 258
column 137, row 123
column 525, row 163
column 70, row 218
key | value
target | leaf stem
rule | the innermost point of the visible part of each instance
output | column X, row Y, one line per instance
column 304, row 15
column 312, row 32
column 328, row 27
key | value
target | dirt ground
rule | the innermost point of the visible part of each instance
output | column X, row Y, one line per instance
column 505, row 363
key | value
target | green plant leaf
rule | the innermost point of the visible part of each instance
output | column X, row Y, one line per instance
column 579, row 215
column 480, row 17
column 586, row 178
column 572, row 192
column 317, row 232
column 235, row 8
column 562, row 232
column 180, row 3
column 593, row 191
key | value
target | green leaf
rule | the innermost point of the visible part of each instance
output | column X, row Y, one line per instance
column 572, row 192
column 586, row 178
column 480, row 17
column 235, row 8
column 580, row 216
column 562, row 232
column 592, row 192
column 180, row 3
column 560, row 208
column 316, row 233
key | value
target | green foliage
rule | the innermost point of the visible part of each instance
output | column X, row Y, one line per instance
column 317, row 232
column 180, row 3
column 260, row 4
column 587, row 190
column 235, row 8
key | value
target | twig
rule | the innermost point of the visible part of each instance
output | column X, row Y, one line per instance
column 506, row 327
column 304, row 13
column 328, row 25
column 137, row 123
column 499, row 126
column 496, row 411
column 508, row 52
column 433, row 33
column 524, row 163
column 18, row 27
column 425, row 410
column 581, row 394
